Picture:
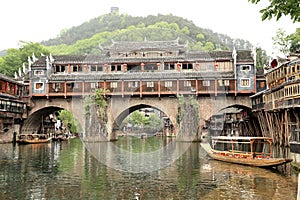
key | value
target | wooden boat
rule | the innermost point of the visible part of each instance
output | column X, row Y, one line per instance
column 60, row 137
column 253, row 151
column 33, row 138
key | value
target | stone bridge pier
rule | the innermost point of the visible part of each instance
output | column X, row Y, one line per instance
column 120, row 107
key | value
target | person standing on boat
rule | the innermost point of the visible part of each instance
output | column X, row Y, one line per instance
column 57, row 125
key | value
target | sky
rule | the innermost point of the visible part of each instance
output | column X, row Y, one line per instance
column 38, row 20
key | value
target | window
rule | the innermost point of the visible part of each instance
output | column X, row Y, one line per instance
column 75, row 85
column 150, row 84
column 133, row 84
column 187, row 66
column 113, row 84
column 245, row 82
column 39, row 86
column 95, row 68
column 187, row 83
column 60, row 68
column 168, row 84
column 77, row 68
column 38, row 72
column 169, row 66
column 206, row 83
column 56, row 86
column 226, row 82
column 2, row 105
column 245, row 68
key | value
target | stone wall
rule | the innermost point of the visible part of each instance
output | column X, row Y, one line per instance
column 119, row 107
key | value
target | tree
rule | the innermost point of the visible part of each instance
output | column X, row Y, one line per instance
column 15, row 58
column 280, row 41
column 261, row 57
column 277, row 8
column 200, row 37
column 154, row 122
column 294, row 40
column 137, row 119
column 68, row 119
column 209, row 46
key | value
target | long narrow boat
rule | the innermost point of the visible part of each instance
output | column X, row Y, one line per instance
column 33, row 138
column 253, row 151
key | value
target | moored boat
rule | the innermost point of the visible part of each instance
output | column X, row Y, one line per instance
column 253, row 151
column 60, row 137
column 33, row 138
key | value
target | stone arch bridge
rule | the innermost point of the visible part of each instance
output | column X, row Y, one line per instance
column 120, row 107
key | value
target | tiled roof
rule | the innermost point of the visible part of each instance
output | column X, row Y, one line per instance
column 244, row 55
column 72, row 59
column 213, row 55
column 8, row 79
column 145, row 46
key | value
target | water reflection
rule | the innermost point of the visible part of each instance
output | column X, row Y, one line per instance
column 68, row 171
column 135, row 155
column 244, row 182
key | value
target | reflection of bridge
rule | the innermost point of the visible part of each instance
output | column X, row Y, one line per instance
column 142, row 74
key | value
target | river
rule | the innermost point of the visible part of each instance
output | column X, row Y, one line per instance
column 77, row 170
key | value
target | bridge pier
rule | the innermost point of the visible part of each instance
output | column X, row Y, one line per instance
column 120, row 107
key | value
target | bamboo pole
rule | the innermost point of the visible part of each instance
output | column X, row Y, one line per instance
column 262, row 123
column 268, row 117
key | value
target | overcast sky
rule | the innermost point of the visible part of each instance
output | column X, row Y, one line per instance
column 37, row 20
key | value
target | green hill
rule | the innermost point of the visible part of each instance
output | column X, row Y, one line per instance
column 100, row 31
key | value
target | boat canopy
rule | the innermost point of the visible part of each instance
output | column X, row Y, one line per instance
column 240, row 138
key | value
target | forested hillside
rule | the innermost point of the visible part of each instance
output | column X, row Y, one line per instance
column 99, row 32
column 87, row 37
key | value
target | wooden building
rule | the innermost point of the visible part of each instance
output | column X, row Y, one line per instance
column 12, row 108
column 154, row 68
column 278, row 107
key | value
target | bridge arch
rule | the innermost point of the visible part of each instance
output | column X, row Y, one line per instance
column 127, row 111
column 120, row 108
column 235, row 120
column 44, row 107
column 34, row 120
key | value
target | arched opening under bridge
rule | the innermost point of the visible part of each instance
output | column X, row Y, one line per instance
column 153, row 116
column 234, row 120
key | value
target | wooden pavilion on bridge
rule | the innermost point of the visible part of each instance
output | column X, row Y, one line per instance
column 148, row 68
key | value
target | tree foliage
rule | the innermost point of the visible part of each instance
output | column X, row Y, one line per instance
column 280, row 41
column 100, row 100
column 261, row 58
column 139, row 120
column 15, row 58
column 101, row 30
column 154, row 122
column 68, row 119
column 294, row 40
column 278, row 8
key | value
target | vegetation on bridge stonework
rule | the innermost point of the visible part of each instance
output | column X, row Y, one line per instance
column 95, row 115
column 188, row 118
column 99, row 99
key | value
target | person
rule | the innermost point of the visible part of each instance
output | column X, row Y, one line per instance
column 51, row 117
